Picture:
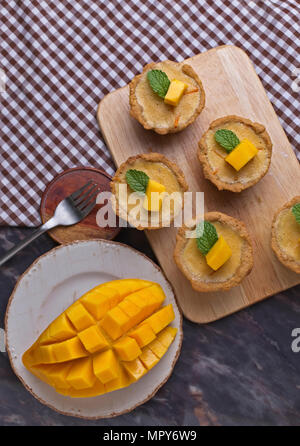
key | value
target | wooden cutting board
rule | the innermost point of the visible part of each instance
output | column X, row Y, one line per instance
column 232, row 87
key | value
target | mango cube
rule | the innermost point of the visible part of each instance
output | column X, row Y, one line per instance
column 133, row 311
column 143, row 335
column 44, row 355
column 115, row 322
column 148, row 299
column 128, row 286
column 127, row 349
column 99, row 301
column 61, row 329
column 121, row 381
column 81, row 375
column 54, row 374
column 158, row 348
column 68, row 350
column 104, row 341
column 154, row 196
column 161, row 318
column 92, row 339
column 135, row 369
column 175, row 92
column 218, row 254
column 79, row 316
column 58, row 374
column 105, row 366
column 241, row 154
column 97, row 389
column 148, row 358
column 167, row 336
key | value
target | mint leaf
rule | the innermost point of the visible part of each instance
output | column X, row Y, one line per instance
column 227, row 139
column 159, row 82
column 206, row 236
column 137, row 180
column 296, row 212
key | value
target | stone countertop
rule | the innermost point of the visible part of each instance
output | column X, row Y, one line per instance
column 240, row 370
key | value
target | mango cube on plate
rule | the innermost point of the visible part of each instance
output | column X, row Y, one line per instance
column 135, row 369
column 160, row 319
column 99, row 301
column 127, row 349
column 148, row 358
column 92, row 339
column 79, row 316
column 143, row 335
column 68, row 350
column 107, row 348
column 81, row 375
column 105, row 366
column 61, row 329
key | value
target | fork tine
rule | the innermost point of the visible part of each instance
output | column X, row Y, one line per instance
column 87, row 210
column 86, row 203
column 77, row 193
column 83, row 197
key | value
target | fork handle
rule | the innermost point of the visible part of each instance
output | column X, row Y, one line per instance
column 45, row 227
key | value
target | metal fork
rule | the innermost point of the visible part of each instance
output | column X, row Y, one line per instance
column 69, row 211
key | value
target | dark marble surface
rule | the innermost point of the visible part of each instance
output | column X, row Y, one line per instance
column 237, row 371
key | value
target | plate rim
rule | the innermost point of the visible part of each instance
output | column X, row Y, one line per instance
column 30, row 390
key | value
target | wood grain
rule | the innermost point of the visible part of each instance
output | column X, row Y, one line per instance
column 232, row 87
column 62, row 186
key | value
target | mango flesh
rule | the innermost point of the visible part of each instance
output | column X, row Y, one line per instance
column 218, row 254
column 154, row 196
column 175, row 92
column 108, row 339
column 241, row 154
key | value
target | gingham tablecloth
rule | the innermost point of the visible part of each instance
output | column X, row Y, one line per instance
column 59, row 58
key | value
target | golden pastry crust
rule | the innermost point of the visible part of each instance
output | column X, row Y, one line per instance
column 283, row 257
column 237, row 186
column 246, row 263
column 136, row 110
column 151, row 157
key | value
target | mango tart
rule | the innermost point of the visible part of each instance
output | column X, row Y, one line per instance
column 152, row 173
column 228, row 260
column 108, row 339
column 285, row 239
column 171, row 108
column 244, row 160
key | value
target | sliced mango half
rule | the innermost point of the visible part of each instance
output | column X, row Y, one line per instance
column 108, row 339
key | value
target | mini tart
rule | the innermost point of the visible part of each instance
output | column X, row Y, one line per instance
column 159, row 169
column 151, row 111
column 286, row 236
column 192, row 262
column 212, row 156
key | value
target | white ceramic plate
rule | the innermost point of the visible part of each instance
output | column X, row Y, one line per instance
column 52, row 283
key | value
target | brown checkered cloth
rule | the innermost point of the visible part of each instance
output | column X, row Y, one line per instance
column 59, row 58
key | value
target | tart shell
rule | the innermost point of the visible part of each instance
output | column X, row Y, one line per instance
column 151, row 157
column 284, row 258
column 259, row 129
column 136, row 109
column 246, row 261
